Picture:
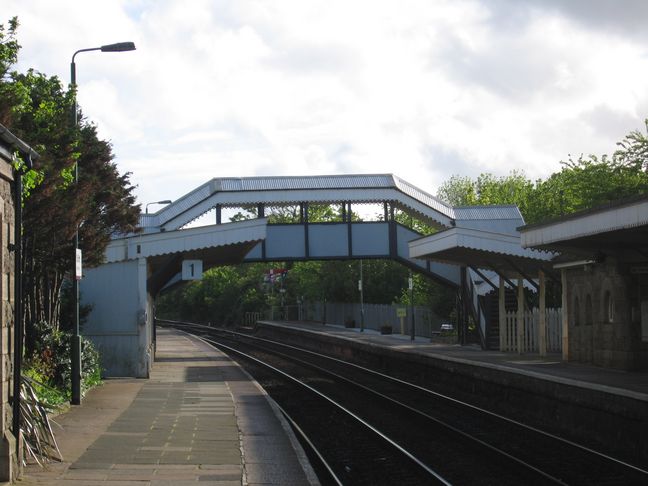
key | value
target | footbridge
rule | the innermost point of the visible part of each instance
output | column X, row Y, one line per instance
column 284, row 223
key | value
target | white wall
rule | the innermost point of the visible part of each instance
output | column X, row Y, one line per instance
column 120, row 321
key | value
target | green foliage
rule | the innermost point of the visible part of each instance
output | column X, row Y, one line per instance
column 487, row 189
column 49, row 364
column 633, row 150
column 459, row 191
column 582, row 183
column 31, row 178
column 41, row 110
column 50, row 396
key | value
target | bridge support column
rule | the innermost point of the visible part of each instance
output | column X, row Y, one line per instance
column 144, row 319
column 503, row 331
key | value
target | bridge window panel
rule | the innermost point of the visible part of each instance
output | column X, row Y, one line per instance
column 370, row 239
column 411, row 219
column 206, row 219
column 238, row 213
column 283, row 214
column 328, row 240
column 285, row 242
column 324, row 213
column 368, row 211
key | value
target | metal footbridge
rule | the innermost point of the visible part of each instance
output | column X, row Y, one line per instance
column 151, row 259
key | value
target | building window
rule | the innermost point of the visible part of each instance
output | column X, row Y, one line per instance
column 577, row 316
column 608, row 307
column 588, row 310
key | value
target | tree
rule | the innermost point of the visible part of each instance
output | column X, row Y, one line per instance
column 9, row 48
column 583, row 182
column 633, row 151
column 488, row 189
column 41, row 111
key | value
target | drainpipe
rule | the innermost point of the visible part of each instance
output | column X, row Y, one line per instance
column 18, row 313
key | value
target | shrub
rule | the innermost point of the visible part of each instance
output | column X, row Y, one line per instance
column 50, row 363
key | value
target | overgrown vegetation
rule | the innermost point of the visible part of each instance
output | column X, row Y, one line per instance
column 40, row 110
column 582, row 183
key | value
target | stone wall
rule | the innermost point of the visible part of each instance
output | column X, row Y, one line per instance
column 8, row 462
column 605, row 317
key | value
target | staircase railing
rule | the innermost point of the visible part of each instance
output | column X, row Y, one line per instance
column 476, row 308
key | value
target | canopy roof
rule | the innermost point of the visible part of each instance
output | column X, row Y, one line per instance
column 620, row 228
column 483, row 249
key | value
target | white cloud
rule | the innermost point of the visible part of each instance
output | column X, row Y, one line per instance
column 421, row 89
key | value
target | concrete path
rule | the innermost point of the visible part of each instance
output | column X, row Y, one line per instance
column 199, row 418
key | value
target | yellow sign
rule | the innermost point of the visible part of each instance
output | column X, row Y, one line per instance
column 401, row 311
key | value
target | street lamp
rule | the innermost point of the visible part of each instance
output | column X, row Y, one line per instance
column 166, row 201
column 76, row 338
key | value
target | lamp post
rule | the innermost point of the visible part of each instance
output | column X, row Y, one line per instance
column 361, row 288
column 410, row 284
column 76, row 338
column 166, row 201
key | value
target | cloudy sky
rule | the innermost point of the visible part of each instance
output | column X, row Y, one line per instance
column 422, row 89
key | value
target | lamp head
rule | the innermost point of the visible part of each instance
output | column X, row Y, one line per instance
column 118, row 47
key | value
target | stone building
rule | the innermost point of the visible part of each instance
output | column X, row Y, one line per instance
column 604, row 266
column 10, row 145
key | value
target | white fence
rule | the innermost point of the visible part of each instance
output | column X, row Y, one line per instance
column 531, row 332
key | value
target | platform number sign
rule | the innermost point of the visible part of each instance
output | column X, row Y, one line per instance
column 192, row 269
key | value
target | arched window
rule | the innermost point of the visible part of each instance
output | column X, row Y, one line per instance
column 608, row 307
column 588, row 310
column 577, row 315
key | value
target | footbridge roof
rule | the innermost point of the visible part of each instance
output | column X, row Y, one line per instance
column 286, row 190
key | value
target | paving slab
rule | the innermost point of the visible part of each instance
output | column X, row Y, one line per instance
column 198, row 418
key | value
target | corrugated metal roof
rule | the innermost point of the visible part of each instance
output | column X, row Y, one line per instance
column 364, row 182
column 614, row 218
column 424, row 197
column 488, row 212
column 277, row 183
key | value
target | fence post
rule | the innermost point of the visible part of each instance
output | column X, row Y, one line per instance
column 520, row 316
column 542, row 318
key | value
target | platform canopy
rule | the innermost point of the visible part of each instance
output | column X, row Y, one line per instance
column 620, row 228
column 213, row 245
column 478, row 248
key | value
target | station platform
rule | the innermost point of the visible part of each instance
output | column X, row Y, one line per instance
column 550, row 368
column 199, row 419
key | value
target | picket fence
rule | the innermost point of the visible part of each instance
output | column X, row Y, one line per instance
column 531, row 331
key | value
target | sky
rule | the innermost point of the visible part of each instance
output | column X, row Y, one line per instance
column 423, row 89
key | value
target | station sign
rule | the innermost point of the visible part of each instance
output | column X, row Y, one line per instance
column 78, row 264
column 192, row 269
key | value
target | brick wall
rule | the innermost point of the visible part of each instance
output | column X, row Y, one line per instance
column 8, row 463
column 604, row 316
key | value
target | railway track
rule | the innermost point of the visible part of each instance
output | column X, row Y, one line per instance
column 371, row 428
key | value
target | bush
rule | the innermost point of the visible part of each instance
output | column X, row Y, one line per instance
column 50, row 364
